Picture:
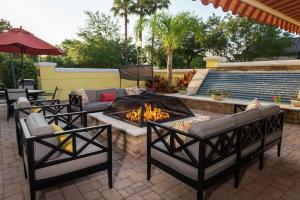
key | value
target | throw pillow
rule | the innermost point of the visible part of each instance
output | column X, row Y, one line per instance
column 133, row 91
column 107, row 97
column 254, row 104
column 85, row 99
column 68, row 146
column 36, row 110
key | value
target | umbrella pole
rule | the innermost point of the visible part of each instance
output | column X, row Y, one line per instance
column 13, row 70
column 22, row 68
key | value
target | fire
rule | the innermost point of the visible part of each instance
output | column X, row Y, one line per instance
column 150, row 114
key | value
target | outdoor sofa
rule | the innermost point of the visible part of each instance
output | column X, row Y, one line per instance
column 23, row 108
column 211, row 149
column 46, row 160
column 94, row 99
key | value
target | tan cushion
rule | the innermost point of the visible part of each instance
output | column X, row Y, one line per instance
column 37, row 125
column 246, row 116
column 188, row 170
column 254, row 104
column 133, row 91
column 23, row 102
column 85, row 99
column 269, row 109
column 74, row 165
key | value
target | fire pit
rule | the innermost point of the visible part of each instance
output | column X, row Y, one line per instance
column 139, row 109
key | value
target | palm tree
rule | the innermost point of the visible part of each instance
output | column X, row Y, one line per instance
column 122, row 8
column 156, row 5
column 141, row 8
column 171, row 31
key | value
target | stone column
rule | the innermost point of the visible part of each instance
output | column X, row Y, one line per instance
column 44, row 71
column 213, row 61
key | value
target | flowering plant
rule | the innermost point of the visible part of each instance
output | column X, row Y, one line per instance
column 182, row 83
column 159, row 84
column 277, row 99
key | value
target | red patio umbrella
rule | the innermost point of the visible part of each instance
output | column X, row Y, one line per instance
column 20, row 41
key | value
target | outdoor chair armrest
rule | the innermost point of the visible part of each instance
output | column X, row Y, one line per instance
column 75, row 100
column 73, row 134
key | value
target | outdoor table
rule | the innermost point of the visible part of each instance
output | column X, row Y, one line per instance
column 32, row 93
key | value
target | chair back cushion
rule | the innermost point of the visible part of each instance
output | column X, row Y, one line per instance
column 15, row 94
column 205, row 129
column 269, row 110
column 37, row 126
column 23, row 102
column 121, row 92
column 92, row 95
column 247, row 116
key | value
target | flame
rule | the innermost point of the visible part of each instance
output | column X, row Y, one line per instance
column 150, row 114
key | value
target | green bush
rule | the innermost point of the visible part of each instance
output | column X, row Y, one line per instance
column 6, row 72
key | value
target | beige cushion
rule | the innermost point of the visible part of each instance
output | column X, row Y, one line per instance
column 246, row 116
column 23, row 102
column 254, row 104
column 188, row 170
column 269, row 109
column 37, row 125
column 205, row 129
column 74, row 165
column 133, row 91
column 85, row 99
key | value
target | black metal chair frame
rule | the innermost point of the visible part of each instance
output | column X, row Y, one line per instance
column 222, row 145
column 9, row 102
column 53, row 108
column 50, row 94
column 75, row 133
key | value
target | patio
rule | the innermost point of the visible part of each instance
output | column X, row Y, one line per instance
column 280, row 179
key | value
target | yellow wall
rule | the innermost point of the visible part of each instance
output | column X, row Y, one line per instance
column 67, row 79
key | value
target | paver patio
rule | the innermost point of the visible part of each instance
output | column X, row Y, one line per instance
column 280, row 179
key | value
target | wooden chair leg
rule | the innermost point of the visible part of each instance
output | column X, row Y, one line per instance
column 236, row 178
column 261, row 161
column 200, row 195
column 148, row 171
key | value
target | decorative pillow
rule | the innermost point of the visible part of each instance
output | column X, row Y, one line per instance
column 23, row 102
column 254, row 104
column 68, row 146
column 107, row 97
column 85, row 98
column 36, row 110
column 133, row 91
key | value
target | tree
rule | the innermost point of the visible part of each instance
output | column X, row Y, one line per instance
column 171, row 30
column 121, row 8
column 4, row 25
column 192, row 44
column 154, row 7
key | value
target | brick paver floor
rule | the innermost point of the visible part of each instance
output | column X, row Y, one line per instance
column 280, row 178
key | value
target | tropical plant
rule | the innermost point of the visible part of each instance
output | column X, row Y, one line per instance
column 182, row 83
column 159, row 84
column 122, row 8
column 171, row 30
column 156, row 5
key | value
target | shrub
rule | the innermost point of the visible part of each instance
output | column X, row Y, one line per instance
column 182, row 83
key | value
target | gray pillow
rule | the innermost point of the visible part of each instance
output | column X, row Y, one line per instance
column 37, row 125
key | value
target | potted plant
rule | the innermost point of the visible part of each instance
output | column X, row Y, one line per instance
column 217, row 95
column 277, row 100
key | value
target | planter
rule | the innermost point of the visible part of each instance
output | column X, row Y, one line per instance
column 217, row 97
column 295, row 103
column 183, row 92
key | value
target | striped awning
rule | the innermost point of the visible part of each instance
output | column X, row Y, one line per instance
column 284, row 14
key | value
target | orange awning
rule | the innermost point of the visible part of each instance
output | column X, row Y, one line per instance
column 284, row 14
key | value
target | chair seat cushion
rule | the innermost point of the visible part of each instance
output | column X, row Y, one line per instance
column 74, row 165
column 96, row 106
column 186, row 169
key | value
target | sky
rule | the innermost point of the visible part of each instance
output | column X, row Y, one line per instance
column 56, row 20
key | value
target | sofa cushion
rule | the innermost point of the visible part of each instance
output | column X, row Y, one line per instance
column 37, row 125
column 107, row 90
column 205, row 129
column 269, row 109
column 246, row 116
column 107, row 97
column 23, row 102
column 186, row 169
column 92, row 95
column 96, row 106
column 121, row 92
column 73, row 165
